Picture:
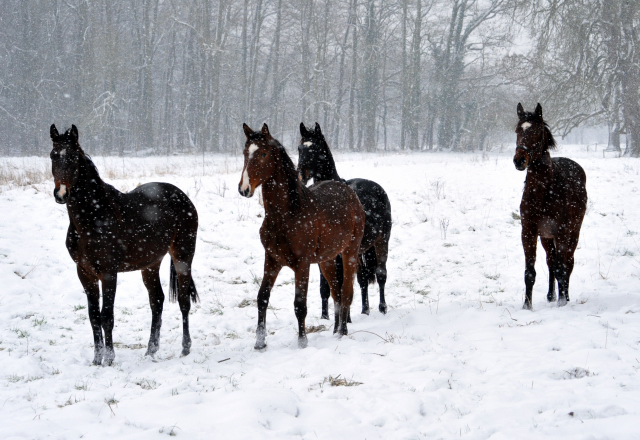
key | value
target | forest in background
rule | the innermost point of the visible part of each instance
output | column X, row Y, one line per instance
column 171, row 77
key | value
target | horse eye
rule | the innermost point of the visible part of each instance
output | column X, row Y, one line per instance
column 264, row 154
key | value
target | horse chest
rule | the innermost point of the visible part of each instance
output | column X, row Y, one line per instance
column 288, row 240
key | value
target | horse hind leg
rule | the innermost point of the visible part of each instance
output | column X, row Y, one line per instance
column 339, row 278
column 325, row 294
column 564, row 268
column 550, row 248
column 350, row 267
column 382, row 252
column 182, row 285
column 151, row 280
column 366, row 274
column 329, row 271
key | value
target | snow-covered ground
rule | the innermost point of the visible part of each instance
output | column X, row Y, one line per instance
column 454, row 357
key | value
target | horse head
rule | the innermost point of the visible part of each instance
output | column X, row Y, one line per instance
column 260, row 156
column 65, row 161
column 313, row 155
column 534, row 138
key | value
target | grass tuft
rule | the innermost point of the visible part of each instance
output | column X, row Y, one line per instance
column 340, row 382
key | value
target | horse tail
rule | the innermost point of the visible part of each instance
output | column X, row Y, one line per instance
column 173, row 283
column 173, row 286
column 193, row 293
column 368, row 265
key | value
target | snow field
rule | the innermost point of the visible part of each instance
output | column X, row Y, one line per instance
column 454, row 357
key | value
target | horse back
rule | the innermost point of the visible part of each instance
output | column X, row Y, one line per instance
column 570, row 183
column 151, row 218
column 333, row 199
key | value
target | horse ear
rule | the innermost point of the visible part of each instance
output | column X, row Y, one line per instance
column 247, row 130
column 539, row 111
column 318, row 131
column 520, row 111
column 303, row 130
column 74, row 132
column 265, row 130
column 53, row 131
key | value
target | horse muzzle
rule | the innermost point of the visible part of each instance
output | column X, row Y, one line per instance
column 520, row 163
column 61, row 194
column 304, row 176
column 246, row 192
column 521, row 158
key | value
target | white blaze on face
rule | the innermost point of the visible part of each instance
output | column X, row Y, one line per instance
column 308, row 144
column 525, row 126
column 245, row 175
column 62, row 191
column 63, row 152
column 245, row 180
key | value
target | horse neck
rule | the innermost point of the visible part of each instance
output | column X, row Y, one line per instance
column 326, row 169
column 539, row 172
column 88, row 196
column 276, row 194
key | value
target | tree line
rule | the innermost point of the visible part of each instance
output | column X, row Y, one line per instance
column 167, row 76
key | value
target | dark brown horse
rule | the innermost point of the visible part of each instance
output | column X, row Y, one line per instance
column 553, row 204
column 315, row 161
column 302, row 226
column 111, row 232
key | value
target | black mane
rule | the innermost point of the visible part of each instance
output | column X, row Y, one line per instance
column 293, row 184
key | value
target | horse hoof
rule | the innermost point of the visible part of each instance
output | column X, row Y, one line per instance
column 151, row 350
column 302, row 342
column 527, row 306
column 562, row 301
column 365, row 311
column 551, row 298
column 185, row 352
column 260, row 346
column 324, row 316
column 109, row 356
column 382, row 308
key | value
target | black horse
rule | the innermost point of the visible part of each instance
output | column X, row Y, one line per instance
column 316, row 161
column 111, row 232
column 553, row 204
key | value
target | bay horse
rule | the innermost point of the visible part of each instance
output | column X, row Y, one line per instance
column 554, row 202
column 111, row 232
column 315, row 161
column 302, row 226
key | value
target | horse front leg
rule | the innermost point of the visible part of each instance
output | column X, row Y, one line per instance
column 300, row 301
column 271, row 271
column 109, row 283
column 529, row 244
column 92, row 290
